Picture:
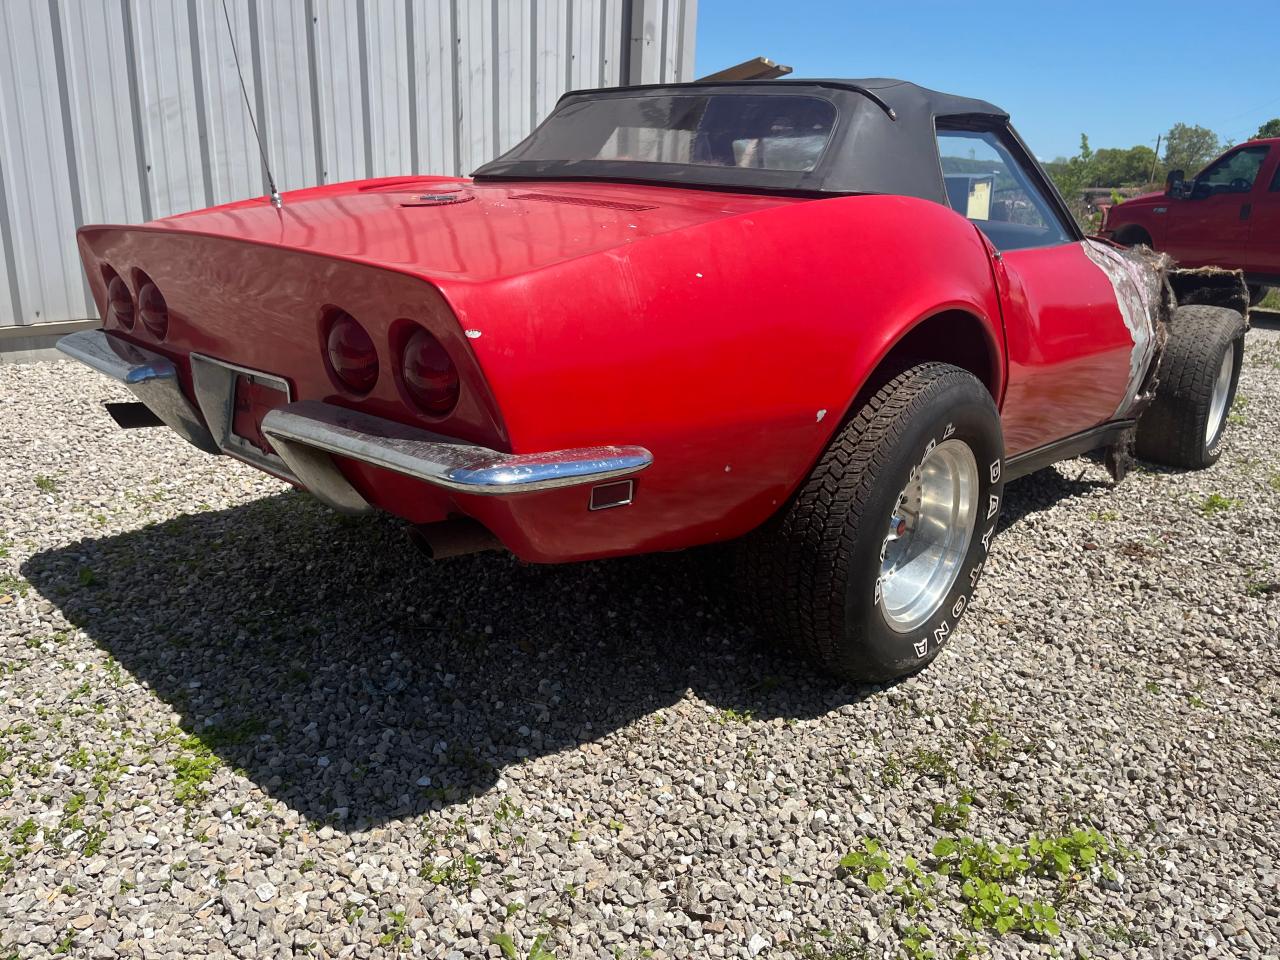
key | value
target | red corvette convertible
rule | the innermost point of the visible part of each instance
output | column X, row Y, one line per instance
column 827, row 318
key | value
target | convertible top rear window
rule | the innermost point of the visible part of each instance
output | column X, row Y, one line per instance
column 762, row 132
column 796, row 137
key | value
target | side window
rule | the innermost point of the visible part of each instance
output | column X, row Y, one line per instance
column 1234, row 173
column 1275, row 181
column 986, row 184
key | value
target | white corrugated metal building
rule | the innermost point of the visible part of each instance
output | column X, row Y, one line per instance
column 121, row 111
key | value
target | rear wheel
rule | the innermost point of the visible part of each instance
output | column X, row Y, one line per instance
column 1196, row 386
column 870, row 567
column 1257, row 293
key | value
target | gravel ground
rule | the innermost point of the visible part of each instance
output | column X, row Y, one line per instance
column 233, row 723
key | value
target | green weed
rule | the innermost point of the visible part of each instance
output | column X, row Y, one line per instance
column 986, row 870
column 458, row 873
column 833, row 947
column 953, row 816
column 868, row 864
column 1216, row 503
column 931, row 763
column 729, row 715
column 13, row 586
column 991, row 881
column 537, row 950
column 396, row 935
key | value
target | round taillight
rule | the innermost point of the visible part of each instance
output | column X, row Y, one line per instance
column 428, row 373
column 120, row 302
column 352, row 357
column 155, row 312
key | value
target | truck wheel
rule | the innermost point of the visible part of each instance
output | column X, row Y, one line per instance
column 1196, row 385
column 1133, row 237
column 871, row 565
column 1257, row 293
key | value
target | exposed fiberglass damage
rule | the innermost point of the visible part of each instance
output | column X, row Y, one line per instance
column 1149, row 288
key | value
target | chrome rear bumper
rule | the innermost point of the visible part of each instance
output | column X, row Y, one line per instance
column 151, row 378
column 304, row 432
column 308, row 433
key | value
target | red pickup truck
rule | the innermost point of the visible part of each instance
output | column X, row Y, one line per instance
column 1228, row 215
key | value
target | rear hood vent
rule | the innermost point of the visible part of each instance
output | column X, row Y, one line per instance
column 584, row 201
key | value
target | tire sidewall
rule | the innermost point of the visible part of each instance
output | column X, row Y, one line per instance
column 962, row 412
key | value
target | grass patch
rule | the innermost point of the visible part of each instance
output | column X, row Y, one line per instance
column 11, row 586
column 1216, row 503
column 1261, row 588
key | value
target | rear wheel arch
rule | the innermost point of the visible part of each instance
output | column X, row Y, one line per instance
column 957, row 337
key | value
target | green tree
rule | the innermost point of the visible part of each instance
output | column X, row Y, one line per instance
column 1071, row 175
column 1269, row 129
column 1189, row 148
column 1117, row 167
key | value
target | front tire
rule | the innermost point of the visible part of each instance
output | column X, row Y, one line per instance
column 870, row 567
column 1196, row 385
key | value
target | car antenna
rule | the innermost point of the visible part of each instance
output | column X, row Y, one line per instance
column 271, row 183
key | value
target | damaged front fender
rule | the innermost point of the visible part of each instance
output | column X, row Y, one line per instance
column 1149, row 288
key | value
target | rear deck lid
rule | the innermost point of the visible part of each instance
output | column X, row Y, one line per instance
column 455, row 229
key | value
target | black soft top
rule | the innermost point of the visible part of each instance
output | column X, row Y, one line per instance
column 883, row 140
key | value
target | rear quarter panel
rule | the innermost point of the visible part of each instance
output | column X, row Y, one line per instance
column 732, row 350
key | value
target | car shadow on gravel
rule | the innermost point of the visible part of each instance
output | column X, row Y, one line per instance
column 342, row 672
column 352, row 679
column 1044, row 490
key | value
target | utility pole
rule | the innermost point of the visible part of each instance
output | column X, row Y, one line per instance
column 1156, row 158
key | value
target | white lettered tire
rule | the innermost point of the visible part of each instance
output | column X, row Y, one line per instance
column 865, row 578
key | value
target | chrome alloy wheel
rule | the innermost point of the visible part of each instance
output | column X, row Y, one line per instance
column 929, row 534
column 1218, row 402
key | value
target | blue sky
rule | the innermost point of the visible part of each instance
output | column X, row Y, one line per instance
column 1120, row 72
